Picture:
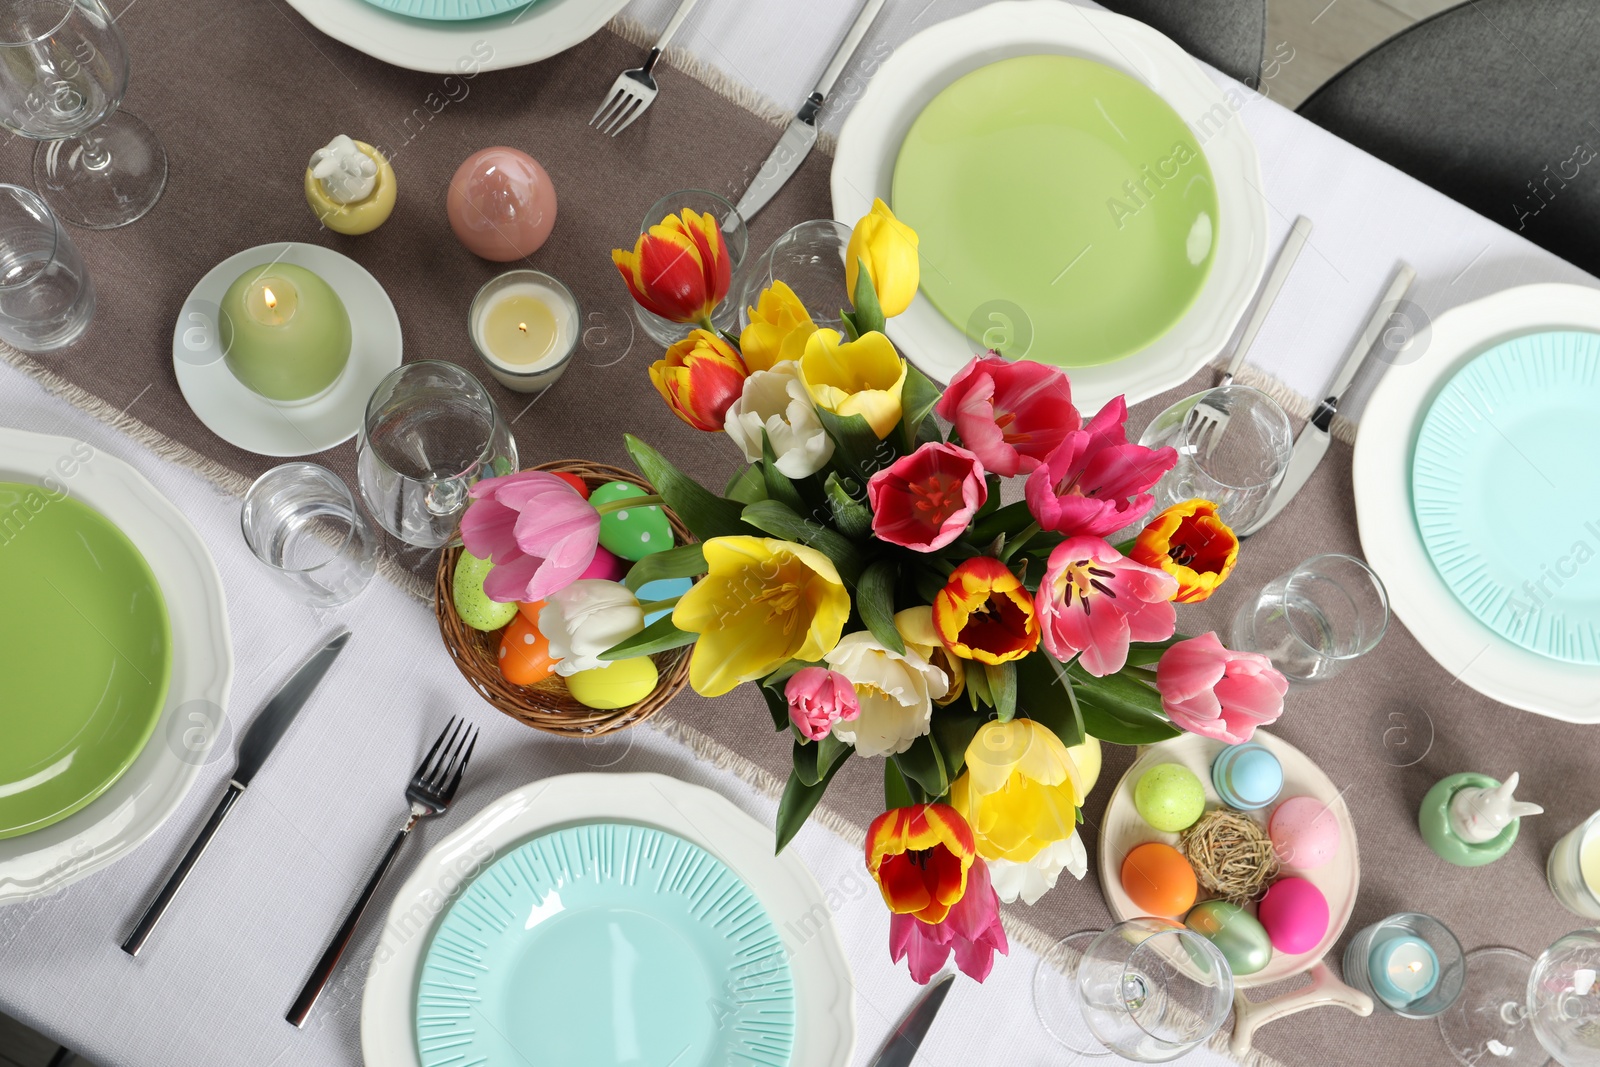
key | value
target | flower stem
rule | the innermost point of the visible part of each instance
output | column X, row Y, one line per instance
column 1015, row 544
column 660, row 605
column 623, row 503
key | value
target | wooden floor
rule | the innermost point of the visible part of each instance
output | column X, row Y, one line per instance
column 1308, row 41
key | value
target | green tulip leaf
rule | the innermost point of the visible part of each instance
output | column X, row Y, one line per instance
column 954, row 729
column 917, row 399
column 702, row 511
column 778, row 485
column 1009, row 520
column 1045, row 695
column 1120, row 708
column 924, row 764
column 659, row 636
column 799, row 801
column 1002, row 679
column 857, row 452
column 778, row 521
column 977, row 683
column 685, row 561
column 896, row 793
column 869, row 312
column 747, row 486
column 851, row 516
column 875, row 602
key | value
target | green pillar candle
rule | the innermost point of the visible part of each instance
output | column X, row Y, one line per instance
column 285, row 332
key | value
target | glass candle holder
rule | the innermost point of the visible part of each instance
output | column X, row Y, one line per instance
column 808, row 258
column 301, row 521
column 1573, row 869
column 1310, row 622
column 1410, row 963
column 734, row 233
column 525, row 326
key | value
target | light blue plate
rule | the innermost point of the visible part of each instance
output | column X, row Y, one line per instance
column 449, row 10
column 606, row 944
column 1505, row 487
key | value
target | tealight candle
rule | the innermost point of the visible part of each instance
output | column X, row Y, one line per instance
column 1574, row 869
column 1402, row 969
column 525, row 327
column 285, row 333
column 1410, row 963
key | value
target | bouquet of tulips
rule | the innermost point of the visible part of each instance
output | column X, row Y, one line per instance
column 864, row 574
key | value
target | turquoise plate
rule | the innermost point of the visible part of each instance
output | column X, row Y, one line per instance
column 1506, row 491
column 606, row 944
column 449, row 10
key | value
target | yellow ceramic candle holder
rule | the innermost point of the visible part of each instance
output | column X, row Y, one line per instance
column 358, row 216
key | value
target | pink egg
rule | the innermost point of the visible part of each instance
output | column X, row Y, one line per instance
column 1295, row 914
column 501, row 204
column 1304, row 833
column 605, row 565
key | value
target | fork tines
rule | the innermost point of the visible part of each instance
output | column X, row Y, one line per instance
column 442, row 768
column 627, row 101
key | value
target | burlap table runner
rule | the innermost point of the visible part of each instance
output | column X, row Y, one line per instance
column 242, row 93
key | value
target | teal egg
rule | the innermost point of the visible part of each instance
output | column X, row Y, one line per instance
column 632, row 533
column 472, row 603
column 662, row 589
column 1169, row 797
column 1241, row 939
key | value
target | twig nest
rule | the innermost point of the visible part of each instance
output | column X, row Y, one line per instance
column 1231, row 854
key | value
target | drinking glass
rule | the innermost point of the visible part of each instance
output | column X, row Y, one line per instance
column 734, row 233
column 1519, row 1012
column 46, row 298
column 1310, row 622
column 431, row 430
column 808, row 258
column 1233, row 445
column 1418, row 998
column 1573, row 869
column 63, row 73
column 300, row 520
column 1147, row 989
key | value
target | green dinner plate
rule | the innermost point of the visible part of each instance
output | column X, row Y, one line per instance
column 449, row 10
column 85, row 656
column 1064, row 190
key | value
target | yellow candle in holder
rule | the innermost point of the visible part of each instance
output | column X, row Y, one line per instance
column 525, row 326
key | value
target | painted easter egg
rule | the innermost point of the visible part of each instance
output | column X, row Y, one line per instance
column 1247, row 776
column 605, row 566
column 662, row 589
column 524, row 651
column 1241, row 939
column 1304, row 833
column 1295, row 914
column 632, row 533
column 1159, row 880
column 576, row 482
column 1169, row 797
column 472, row 603
column 616, row 685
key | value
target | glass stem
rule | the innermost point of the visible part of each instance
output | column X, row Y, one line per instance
column 94, row 154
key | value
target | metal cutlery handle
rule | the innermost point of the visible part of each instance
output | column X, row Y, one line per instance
column 1398, row 288
column 673, row 23
column 158, row 907
column 1281, row 267
column 847, row 47
column 323, row 972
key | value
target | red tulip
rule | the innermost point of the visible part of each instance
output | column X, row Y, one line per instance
column 679, row 269
column 1010, row 414
column 925, row 500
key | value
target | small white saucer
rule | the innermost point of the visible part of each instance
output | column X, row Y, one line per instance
column 253, row 423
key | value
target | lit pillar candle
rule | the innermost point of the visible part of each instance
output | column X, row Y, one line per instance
column 525, row 327
column 285, row 333
column 1402, row 969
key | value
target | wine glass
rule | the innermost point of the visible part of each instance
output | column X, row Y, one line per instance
column 1146, row 989
column 1519, row 1012
column 1233, row 444
column 809, row 259
column 63, row 73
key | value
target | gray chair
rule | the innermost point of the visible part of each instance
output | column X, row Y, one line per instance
column 1494, row 104
column 1231, row 35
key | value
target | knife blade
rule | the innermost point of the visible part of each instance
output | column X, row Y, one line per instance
column 900, row 1048
column 1312, row 444
column 798, row 140
column 262, row 736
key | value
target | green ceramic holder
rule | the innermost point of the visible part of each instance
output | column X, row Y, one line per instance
column 1433, row 819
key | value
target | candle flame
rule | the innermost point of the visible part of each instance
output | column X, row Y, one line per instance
column 522, row 326
column 272, row 301
column 1414, row 966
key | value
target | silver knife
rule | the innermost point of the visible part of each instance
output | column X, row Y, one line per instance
column 1312, row 444
column 901, row 1046
column 264, row 733
column 797, row 140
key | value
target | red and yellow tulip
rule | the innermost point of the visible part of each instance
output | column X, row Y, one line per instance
column 919, row 857
column 700, row 377
column 984, row 613
column 1192, row 544
column 678, row 269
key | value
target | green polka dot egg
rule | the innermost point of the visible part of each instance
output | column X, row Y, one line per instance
column 632, row 533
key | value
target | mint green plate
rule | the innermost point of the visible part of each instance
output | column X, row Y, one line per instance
column 85, row 656
column 1506, row 491
column 603, row 945
column 449, row 10
column 1064, row 189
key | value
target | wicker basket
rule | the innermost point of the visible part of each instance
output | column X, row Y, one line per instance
column 547, row 705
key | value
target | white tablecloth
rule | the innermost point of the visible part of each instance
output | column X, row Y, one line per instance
column 213, row 984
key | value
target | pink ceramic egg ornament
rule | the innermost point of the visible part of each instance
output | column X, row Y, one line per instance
column 501, row 204
column 1305, row 834
column 1295, row 915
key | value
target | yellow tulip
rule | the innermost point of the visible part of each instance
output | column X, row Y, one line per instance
column 1019, row 791
column 916, row 630
column 779, row 326
column 862, row 377
column 889, row 249
column 762, row 603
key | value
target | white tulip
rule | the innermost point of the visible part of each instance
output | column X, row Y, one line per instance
column 1035, row 878
column 896, row 693
column 586, row 618
column 776, row 401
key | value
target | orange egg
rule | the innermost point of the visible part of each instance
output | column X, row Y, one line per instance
column 576, row 482
column 530, row 610
column 1158, row 879
column 524, row 653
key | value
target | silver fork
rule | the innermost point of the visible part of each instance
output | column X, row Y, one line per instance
column 635, row 90
column 429, row 792
column 1209, row 419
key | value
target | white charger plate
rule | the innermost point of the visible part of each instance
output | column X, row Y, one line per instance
column 249, row 420
column 124, row 816
column 526, row 35
column 1390, row 539
column 869, row 144
column 824, row 993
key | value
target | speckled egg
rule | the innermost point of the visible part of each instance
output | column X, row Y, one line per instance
column 1159, row 880
column 662, row 589
column 616, row 685
column 632, row 533
column 1295, row 915
column 1242, row 940
column 1304, row 833
column 472, row 603
column 1169, row 797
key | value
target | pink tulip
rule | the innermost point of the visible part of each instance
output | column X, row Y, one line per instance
column 1219, row 694
column 925, row 500
column 818, row 698
column 972, row 930
column 1095, row 482
column 1093, row 601
column 540, row 534
column 1011, row 415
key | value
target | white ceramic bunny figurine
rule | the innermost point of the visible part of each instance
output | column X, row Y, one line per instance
column 1479, row 814
column 346, row 172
